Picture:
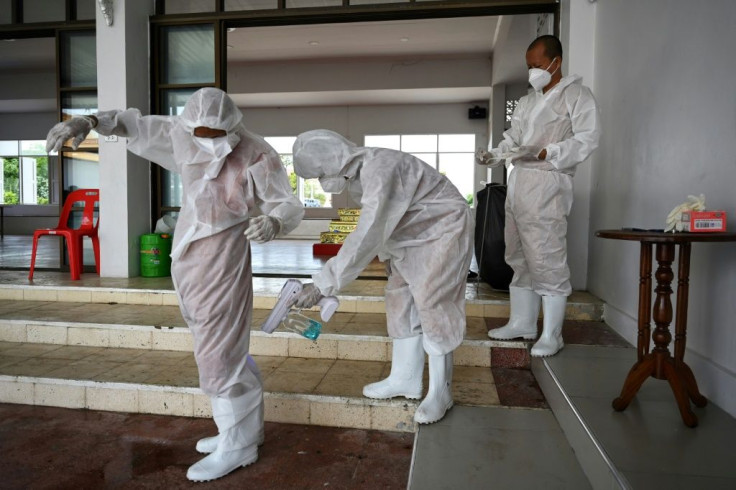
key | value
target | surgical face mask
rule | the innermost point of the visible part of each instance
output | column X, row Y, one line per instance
column 216, row 147
column 539, row 78
column 333, row 185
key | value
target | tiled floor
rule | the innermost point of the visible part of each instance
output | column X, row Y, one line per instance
column 45, row 447
column 647, row 444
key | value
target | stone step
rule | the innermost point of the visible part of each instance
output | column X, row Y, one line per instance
column 297, row 390
column 361, row 296
column 348, row 336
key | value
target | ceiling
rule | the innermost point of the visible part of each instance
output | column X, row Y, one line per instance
column 435, row 38
column 422, row 37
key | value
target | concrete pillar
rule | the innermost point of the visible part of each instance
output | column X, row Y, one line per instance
column 122, row 82
column 577, row 34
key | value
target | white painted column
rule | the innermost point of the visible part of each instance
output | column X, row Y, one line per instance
column 577, row 34
column 122, row 82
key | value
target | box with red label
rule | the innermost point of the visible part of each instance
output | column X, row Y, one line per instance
column 700, row 221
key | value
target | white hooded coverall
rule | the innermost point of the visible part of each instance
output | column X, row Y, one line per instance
column 410, row 214
column 564, row 121
column 224, row 182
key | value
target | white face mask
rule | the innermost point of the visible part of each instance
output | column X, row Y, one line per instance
column 539, row 78
column 333, row 185
column 217, row 147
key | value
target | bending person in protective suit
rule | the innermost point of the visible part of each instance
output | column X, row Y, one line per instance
column 553, row 129
column 413, row 217
column 227, row 173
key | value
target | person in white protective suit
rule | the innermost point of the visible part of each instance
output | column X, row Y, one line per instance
column 417, row 221
column 553, row 129
column 227, row 174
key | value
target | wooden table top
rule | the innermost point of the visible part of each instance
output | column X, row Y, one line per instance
column 662, row 237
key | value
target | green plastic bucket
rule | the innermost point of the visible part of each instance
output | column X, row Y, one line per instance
column 155, row 255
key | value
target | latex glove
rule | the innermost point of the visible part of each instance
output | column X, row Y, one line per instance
column 482, row 157
column 76, row 127
column 263, row 228
column 309, row 296
column 674, row 219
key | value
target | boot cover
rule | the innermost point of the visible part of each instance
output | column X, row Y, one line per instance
column 523, row 317
column 551, row 342
column 439, row 397
column 221, row 462
column 208, row 445
column 405, row 379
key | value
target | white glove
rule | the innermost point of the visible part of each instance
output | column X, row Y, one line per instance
column 482, row 157
column 263, row 228
column 76, row 127
column 309, row 296
column 674, row 219
column 525, row 153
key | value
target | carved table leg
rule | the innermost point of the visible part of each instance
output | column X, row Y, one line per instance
column 683, row 287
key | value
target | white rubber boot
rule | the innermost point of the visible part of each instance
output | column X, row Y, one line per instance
column 439, row 397
column 208, row 445
column 523, row 317
column 407, row 365
column 551, row 342
column 240, row 423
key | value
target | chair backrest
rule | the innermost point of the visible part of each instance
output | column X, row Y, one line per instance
column 89, row 197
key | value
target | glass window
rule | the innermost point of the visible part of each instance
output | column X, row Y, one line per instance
column 189, row 6
column 25, row 175
column 309, row 191
column 371, row 2
column 231, row 5
column 173, row 105
column 43, row 11
column 293, row 4
column 78, row 59
column 453, row 155
column 419, row 143
column 188, row 54
column 86, row 9
column 392, row 141
column 81, row 171
column 6, row 11
column 81, row 104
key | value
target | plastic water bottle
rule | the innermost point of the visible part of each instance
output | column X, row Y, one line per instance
column 303, row 325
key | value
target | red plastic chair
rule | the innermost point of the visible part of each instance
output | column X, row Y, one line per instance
column 74, row 236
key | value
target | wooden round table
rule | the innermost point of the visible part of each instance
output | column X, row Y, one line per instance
column 659, row 363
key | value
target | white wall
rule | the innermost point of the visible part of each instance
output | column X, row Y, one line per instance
column 664, row 78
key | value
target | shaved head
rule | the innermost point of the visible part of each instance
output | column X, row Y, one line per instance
column 552, row 46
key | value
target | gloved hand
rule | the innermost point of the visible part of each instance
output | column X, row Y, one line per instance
column 76, row 127
column 263, row 228
column 482, row 157
column 309, row 296
column 525, row 153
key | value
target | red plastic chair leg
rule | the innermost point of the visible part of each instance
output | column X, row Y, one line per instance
column 33, row 257
column 96, row 247
column 72, row 248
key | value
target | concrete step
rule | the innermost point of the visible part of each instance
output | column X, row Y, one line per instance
column 297, row 390
column 349, row 336
column 361, row 296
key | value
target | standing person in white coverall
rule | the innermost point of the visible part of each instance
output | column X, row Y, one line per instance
column 227, row 174
column 553, row 129
column 414, row 217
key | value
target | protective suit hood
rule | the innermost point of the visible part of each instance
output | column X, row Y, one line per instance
column 212, row 108
column 323, row 153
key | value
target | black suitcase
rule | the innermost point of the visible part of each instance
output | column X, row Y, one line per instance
column 489, row 243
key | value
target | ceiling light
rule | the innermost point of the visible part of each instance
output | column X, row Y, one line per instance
column 404, row 39
column 313, row 43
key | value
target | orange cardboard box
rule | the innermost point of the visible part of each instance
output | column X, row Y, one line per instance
column 704, row 221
